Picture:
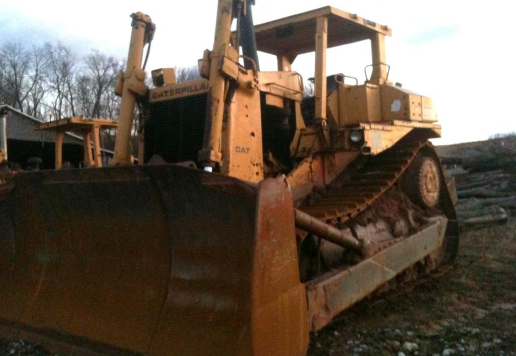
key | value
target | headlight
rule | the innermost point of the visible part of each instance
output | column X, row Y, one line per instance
column 356, row 136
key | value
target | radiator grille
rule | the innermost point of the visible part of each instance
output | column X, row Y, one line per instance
column 175, row 129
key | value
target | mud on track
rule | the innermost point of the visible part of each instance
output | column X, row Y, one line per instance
column 471, row 310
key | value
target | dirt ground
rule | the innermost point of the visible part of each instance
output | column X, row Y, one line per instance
column 471, row 310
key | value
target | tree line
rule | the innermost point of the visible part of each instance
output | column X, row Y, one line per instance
column 51, row 81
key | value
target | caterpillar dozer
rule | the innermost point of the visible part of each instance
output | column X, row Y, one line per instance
column 255, row 214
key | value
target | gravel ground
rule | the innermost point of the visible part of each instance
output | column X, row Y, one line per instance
column 21, row 348
column 470, row 311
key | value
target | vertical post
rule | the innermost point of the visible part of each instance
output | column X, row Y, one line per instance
column 379, row 75
column 133, row 79
column 211, row 154
column 59, row 149
column 97, row 155
column 321, row 44
column 88, row 156
column 3, row 132
column 284, row 63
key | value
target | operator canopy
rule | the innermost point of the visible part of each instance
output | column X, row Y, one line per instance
column 294, row 35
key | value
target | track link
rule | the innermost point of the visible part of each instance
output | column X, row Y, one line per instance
column 357, row 189
column 367, row 180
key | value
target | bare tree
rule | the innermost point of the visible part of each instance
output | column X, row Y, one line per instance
column 103, row 71
column 21, row 72
column 52, row 82
column 62, row 74
column 186, row 74
column 15, row 68
column 35, row 99
column 309, row 90
column 37, row 78
column 84, row 100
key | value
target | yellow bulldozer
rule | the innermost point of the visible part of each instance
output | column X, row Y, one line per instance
column 256, row 214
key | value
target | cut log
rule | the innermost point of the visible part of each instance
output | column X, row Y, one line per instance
column 509, row 202
column 484, row 163
column 468, row 186
column 479, row 193
column 470, row 204
column 451, row 160
column 490, row 210
column 498, row 217
column 475, row 204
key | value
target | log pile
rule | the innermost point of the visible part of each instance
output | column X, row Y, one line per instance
column 484, row 197
column 485, row 178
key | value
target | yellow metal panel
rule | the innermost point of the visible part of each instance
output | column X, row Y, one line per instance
column 383, row 135
column 343, row 105
column 429, row 113
column 242, row 137
column 163, row 76
column 283, row 84
column 273, row 100
column 415, row 108
column 333, row 108
column 180, row 90
column 402, row 104
column 364, row 104
column 230, row 68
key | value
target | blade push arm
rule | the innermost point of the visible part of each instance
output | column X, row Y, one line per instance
column 211, row 154
column 131, row 84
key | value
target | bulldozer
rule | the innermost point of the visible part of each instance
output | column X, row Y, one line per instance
column 256, row 213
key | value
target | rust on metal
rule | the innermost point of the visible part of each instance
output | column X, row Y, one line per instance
column 330, row 295
column 343, row 238
column 365, row 185
column 208, row 261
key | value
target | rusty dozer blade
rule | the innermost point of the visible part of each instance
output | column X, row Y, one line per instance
column 153, row 260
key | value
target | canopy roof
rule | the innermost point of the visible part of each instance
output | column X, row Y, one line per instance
column 76, row 124
column 295, row 35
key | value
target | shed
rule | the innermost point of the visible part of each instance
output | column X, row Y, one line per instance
column 24, row 142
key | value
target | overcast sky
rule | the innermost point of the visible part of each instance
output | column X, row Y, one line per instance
column 457, row 52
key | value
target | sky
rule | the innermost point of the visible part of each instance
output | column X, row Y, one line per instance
column 455, row 51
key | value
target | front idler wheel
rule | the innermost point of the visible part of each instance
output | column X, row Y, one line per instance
column 422, row 182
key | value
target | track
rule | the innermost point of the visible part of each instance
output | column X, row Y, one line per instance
column 370, row 178
column 364, row 184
